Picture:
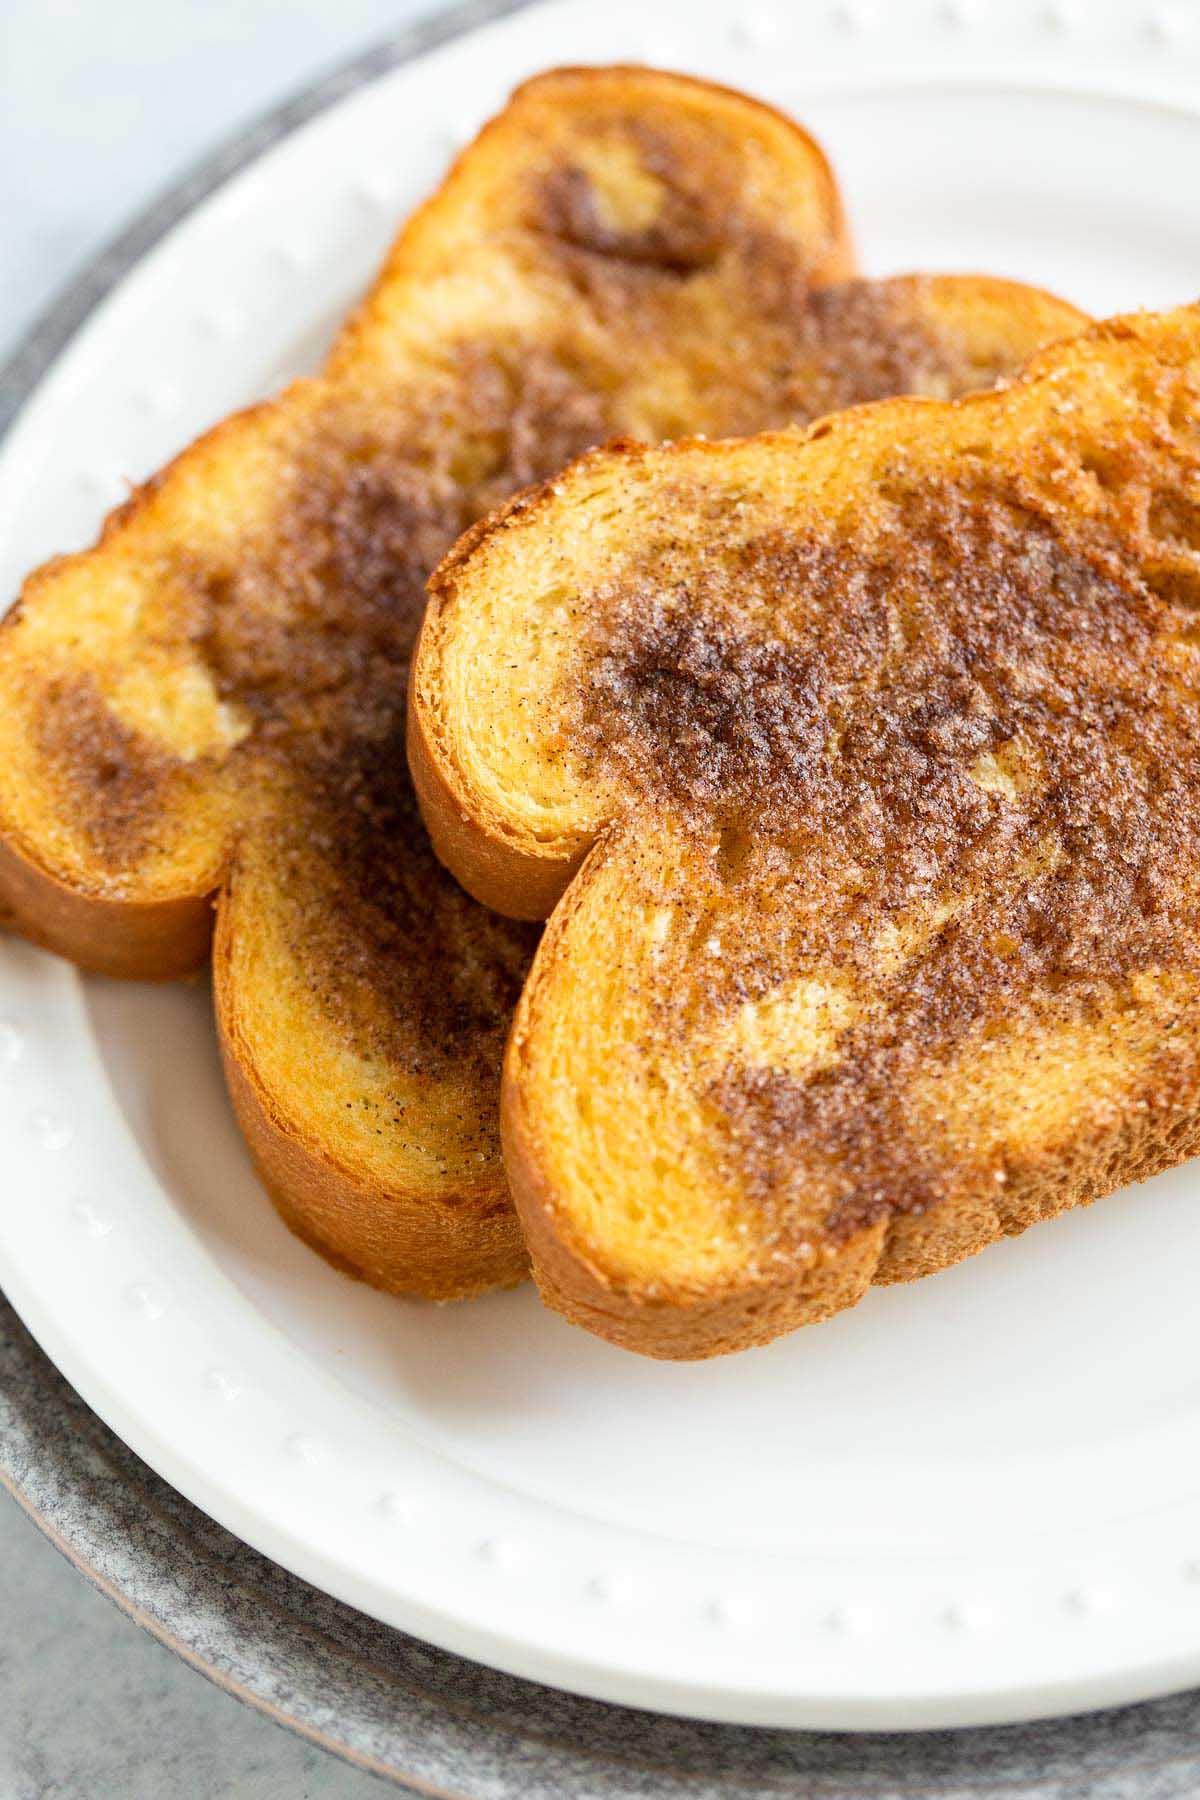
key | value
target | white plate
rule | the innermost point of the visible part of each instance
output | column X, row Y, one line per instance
column 975, row 1499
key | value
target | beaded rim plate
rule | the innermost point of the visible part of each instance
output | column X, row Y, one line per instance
column 455, row 1729
column 974, row 1500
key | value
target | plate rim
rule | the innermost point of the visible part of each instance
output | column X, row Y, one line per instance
column 563, row 1739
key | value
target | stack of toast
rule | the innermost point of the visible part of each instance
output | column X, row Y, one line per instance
column 839, row 714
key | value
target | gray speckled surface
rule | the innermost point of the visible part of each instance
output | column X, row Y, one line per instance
column 90, row 1707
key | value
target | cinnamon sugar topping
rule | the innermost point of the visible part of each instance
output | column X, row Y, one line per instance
column 961, row 774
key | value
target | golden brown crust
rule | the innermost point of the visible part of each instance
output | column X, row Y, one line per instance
column 682, row 1325
column 155, row 940
column 837, row 260
column 434, row 1247
column 509, row 880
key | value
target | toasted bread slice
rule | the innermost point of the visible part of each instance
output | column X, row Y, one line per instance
column 867, row 761
column 210, row 702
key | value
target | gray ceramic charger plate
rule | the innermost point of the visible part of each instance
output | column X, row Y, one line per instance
column 396, row 1706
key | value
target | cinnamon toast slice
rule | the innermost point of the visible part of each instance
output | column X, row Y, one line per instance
column 867, row 764
column 209, row 703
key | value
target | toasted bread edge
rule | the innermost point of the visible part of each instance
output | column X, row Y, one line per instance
column 443, row 1249
column 692, row 1322
column 139, row 940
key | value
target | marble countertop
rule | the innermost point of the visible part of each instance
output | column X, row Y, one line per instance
column 100, row 107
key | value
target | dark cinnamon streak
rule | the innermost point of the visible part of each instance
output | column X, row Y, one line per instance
column 314, row 644
column 361, row 887
column 116, row 779
column 970, row 733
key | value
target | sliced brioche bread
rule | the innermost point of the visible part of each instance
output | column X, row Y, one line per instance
column 210, row 702
column 867, row 764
